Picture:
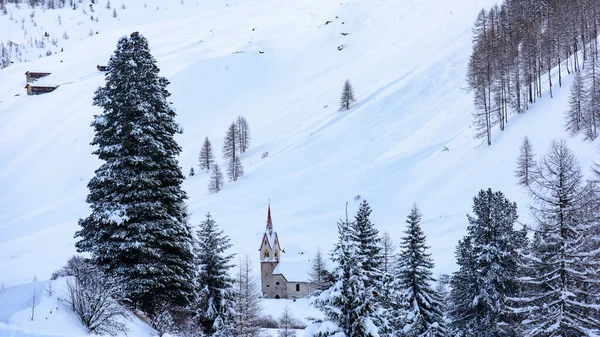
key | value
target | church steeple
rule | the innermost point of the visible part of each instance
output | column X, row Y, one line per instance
column 269, row 221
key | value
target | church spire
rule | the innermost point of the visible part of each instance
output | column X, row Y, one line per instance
column 269, row 222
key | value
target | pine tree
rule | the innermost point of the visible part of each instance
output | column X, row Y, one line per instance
column 206, row 157
column 574, row 117
column 247, row 302
column 494, row 257
column 243, row 131
column 347, row 96
column 230, row 152
column 560, row 285
column 216, row 180
column 137, row 232
column 525, row 163
column 215, row 288
column 286, row 323
column 319, row 276
column 421, row 307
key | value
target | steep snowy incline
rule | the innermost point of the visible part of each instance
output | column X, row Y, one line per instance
column 277, row 64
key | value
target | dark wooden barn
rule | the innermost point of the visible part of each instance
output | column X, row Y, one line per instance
column 34, row 75
column 38, row 89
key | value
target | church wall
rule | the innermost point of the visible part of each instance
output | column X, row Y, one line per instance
column 298, row 289
column 266, row 276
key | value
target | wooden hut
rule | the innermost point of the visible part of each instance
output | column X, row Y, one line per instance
column 34, row 75
column 38, row 89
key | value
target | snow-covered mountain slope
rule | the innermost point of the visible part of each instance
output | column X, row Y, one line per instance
column 278, row 64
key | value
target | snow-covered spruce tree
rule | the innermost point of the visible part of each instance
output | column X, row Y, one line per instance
column 494, row 258
column 463, row 286
column 562, row 280
column 216, row 179
column 286, row 323
column 206, row 157
column 319, row 275
column 420, row 306
column 574, row 117
column 334, row 302
column 230, row 152
column 351, row 305
column 215, row 288
column 366, row 282
column 243, row 134
column 247, row 308
column 525, row 163
column 347, row 96
column 137, row 232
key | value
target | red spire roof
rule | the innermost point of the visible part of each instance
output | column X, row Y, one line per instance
column 269, row 222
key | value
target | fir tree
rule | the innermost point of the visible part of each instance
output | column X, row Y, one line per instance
column 366, row 279
column 525, row 163
column 216, row 180
column 137, row 232
column 215, row 288
column 464, row 284
column 574, row 117
column 206, row 157
column 247, row 302
column 347, row 96
column 230, row 152
column 421, row 307
column 334, row 302
column 561, row 280
column 493, row 258
column 351, row 303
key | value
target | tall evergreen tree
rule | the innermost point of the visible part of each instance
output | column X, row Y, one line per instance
column 464, row 284
column 216, row 180
column 560, row 287
column 215, row 293
column 366, row 280
column 206, row 157
column 137, row 232
column 494, row 256
column 247, row 302
column 347, row 96
column 351, row 306
column 334, row 302
column 230, row 152
column 525, row 163
column 421, row 307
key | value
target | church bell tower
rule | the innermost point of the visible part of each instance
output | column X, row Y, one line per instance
column 270, row 254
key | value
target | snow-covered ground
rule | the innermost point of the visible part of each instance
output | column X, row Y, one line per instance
column 278, row 64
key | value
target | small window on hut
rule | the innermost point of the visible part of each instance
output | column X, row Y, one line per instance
column 297, row 286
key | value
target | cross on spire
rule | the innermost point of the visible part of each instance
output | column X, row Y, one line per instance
column 269, row 222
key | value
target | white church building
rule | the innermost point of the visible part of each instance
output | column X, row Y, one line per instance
column 284, row 274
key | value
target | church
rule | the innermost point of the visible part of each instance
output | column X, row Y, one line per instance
column 282, row 278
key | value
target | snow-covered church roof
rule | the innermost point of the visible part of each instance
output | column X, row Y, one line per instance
column 294, row 265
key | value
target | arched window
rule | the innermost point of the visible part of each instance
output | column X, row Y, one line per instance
column 297, row 286
column 276, row 254
column 266, row 253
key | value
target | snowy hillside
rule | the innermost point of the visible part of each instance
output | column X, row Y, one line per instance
column 278, row 64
